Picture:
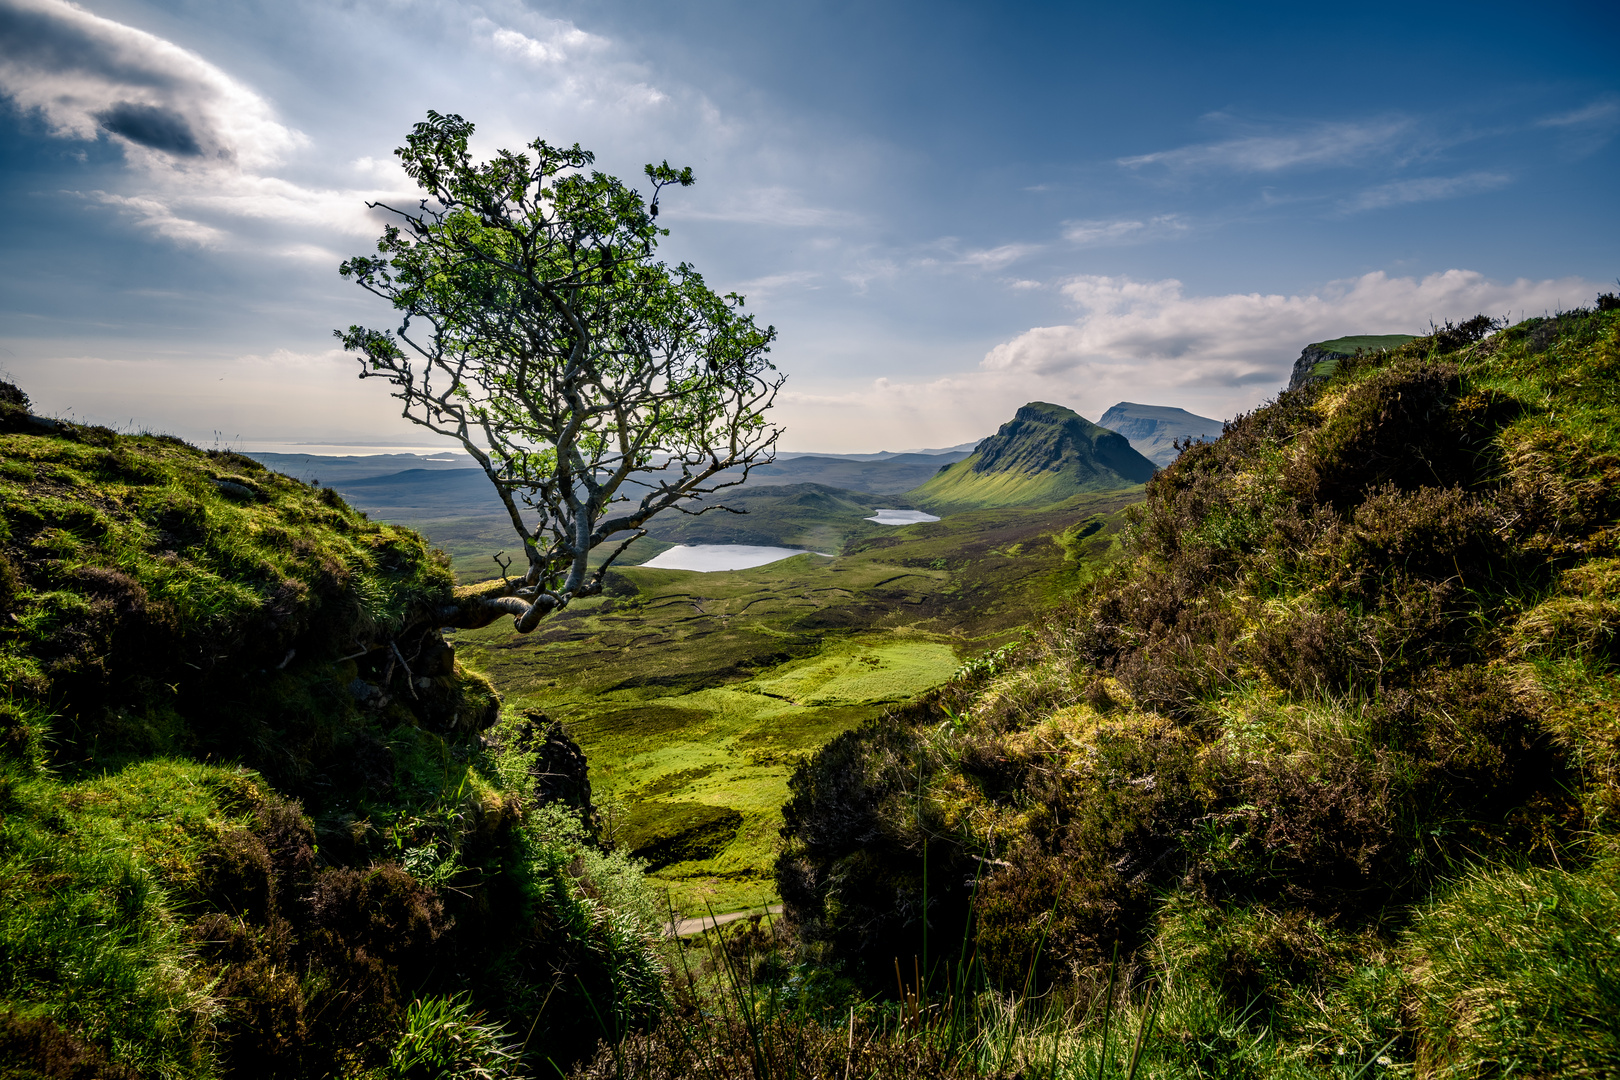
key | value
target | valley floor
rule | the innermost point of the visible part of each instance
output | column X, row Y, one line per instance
column 695, row 695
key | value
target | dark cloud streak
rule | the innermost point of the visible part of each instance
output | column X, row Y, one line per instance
column 151, row 126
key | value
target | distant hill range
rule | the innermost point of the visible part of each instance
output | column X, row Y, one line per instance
column 1045, row 454
column 889, row 474
column 333, row 470
column 1319, row 360
column 1153, row 430
column 812, row 516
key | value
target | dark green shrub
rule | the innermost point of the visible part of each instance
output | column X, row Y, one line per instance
column 37, row 1048
column 1103, row 842
column 857, row 842
column 1393, row 427
column 1313, row 651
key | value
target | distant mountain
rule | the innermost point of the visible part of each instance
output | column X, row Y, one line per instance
column 422, row 494
column 811, row 516
column 1154, row 429
column 886, row 475
column 1319, row 360
column 960, row 449
column 1044, row 455
column 330, row 469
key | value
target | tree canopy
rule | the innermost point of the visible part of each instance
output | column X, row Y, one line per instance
column 595, row 385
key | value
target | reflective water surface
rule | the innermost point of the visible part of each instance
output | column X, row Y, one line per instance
column 719, row 556
column 901, row 517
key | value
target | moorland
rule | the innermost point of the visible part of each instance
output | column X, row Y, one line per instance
column 1300, row 760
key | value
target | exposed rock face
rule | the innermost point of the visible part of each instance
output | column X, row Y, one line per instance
column 1305, row 366
column 1153, row 430
column 1318, row 359
column 560, row 771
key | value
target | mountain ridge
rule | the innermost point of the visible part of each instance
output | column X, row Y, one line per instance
column 1044, row 454
column 1153, row 430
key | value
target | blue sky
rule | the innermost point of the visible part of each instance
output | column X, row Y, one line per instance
column 946, row 209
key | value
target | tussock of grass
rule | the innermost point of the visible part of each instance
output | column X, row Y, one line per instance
column 1518, row 972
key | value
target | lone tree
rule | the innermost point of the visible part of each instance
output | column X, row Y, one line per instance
column 594, row 385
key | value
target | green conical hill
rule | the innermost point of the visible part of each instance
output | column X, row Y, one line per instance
column 1045, row 454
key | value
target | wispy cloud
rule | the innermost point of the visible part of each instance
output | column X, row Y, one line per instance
column 554, row 41
column 767, row 206
column 1109, row 232
column 997, row 257
column 1603, row 111
column 162, row 219
column 1424, row 189
column 772, row 284
column 1318, row 145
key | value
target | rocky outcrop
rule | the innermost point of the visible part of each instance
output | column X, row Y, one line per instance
column 1313, row 358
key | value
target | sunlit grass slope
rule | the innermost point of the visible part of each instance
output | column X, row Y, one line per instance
column 250, row 805
column 1045, row 454
column 694, row 694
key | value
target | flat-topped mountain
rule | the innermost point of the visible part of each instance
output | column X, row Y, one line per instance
column 1153, row 430
column 1319, row 359
column 1045, row 454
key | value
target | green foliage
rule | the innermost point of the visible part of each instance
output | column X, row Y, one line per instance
column 1518, row 972
column 446, row 1039
column 594, row 385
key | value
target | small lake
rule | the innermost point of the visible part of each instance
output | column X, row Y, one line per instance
column 901, row 517
column 720, row 556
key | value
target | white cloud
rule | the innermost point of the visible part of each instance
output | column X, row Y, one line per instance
column 771, row 284
column 1234, row 338
column 1424, row 189
column 997, row 257
column 1319, row 145
column 1149, row 341
column 161, row 219
column 88, row 76
column 559, row 41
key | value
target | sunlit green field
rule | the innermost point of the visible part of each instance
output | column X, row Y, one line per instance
column 693, row 694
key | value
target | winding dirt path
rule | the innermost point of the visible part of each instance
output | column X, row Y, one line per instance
column 704, row 922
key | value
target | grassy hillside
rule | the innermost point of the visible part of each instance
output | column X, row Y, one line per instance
column 694, row 694
column 1349, row 346
column 1328, row 762
column 1044, row 455
column 889, row 475
column 810, row 516
column 251, row 806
